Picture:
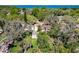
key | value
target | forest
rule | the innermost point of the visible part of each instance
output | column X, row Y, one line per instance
column 39, row 30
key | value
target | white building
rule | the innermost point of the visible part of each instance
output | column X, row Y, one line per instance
column 34, row 31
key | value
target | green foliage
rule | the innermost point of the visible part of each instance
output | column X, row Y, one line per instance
column 54, row 31
column 27, row 40
column 31, row 19
column 63, row 37
column 34, row 50
column 62, row 49
column 40, row 13
column 34, row 43
column 43, row 42
column 14, row 10
column 16, row 48
column 35, row 12
column 12, row 17
column 72, row 46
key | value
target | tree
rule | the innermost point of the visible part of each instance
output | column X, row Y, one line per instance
column 31, row 19
column 54, row 31
column 40, row 13
column 44, row 42
column 25, row 16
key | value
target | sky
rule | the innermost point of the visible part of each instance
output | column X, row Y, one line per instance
column 39, row 2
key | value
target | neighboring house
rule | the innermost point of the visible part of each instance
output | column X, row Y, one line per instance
column 45, row 26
